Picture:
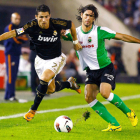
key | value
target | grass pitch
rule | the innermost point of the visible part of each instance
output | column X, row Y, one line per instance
column 42, row 126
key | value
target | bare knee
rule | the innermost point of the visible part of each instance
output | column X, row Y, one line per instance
column 89, row 98
column 46, row 79
column 105, row 90
column 47, row 75
column 91, row 91
column 50, row 91
column 105, row 94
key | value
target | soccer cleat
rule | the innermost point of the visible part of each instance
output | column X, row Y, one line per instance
column 132, row 117
column 30, row 115
column 113, row 128
column 74, row 85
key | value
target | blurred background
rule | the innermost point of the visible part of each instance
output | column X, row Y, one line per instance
column 119, row 15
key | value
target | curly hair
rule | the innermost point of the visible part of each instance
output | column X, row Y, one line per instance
column 82, row 9
column 42, row 8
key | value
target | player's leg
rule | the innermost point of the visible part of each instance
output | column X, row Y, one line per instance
column 108, row 83
column 46, row 70
column 41, row 91
column 91, row 91
column 70, row 83
column 51, row 87
column 42, row 87
column 116, row 100
column 56, row 86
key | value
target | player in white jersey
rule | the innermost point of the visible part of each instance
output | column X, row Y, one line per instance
column 99, row 69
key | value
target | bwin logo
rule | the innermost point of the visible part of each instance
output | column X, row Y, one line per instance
column 47, row 39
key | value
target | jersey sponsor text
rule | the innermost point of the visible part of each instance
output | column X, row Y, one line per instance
column 47, row 39
column 88, row 46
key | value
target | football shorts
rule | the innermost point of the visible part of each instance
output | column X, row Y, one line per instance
column 106, row 75
column 55, row 65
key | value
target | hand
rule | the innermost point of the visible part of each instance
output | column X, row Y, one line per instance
column 77, row 46
column 63, row 33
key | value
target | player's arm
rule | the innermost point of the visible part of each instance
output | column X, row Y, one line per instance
column 66, row 35
column 77, row 45
column 73, row 31
column 126, row 38
column 8, row 35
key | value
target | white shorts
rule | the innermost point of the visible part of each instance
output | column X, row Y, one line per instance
column 55, row 65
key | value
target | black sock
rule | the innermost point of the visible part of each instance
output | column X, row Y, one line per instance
column 41, row 91
column 61, row 85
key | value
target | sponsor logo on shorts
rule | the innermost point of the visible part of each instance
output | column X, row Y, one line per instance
column 20, row 31
column 109, row 77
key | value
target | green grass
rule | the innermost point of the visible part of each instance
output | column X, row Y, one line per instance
column 42, row 126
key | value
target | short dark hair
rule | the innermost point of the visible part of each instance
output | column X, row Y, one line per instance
column 82, row 9
column 42, row 8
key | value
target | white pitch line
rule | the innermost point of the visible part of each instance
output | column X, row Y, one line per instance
column 68, row 108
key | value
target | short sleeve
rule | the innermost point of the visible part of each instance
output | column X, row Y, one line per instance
column 106, row 33
column 26, row 29
column 61, row 23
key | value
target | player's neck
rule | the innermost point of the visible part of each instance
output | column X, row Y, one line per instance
column 47, row 26
column 86, row 29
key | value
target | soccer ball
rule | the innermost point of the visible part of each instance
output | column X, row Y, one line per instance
column 63, row 124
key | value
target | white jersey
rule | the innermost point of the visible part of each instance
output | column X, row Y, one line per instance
column 94, row 55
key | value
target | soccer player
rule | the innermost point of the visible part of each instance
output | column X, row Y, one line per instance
column 99, row 69
column 44, row 32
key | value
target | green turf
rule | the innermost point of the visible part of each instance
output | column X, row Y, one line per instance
column 42, row 126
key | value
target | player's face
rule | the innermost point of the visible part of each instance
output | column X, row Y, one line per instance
column 87, row 18
column 43, row 19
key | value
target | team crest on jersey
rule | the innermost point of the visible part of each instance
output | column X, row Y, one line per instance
column 55, row 32
column 89, row 40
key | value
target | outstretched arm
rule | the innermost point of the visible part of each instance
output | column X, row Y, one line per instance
column 126, row 38
column 8, row 35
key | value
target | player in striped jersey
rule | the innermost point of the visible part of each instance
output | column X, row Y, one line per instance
column 99, row 69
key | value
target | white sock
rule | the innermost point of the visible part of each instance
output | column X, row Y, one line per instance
column 93, row 103
column 111, row 96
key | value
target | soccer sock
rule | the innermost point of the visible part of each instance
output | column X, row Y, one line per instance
column 61, row 85
column 41, row 91
column 102, row 111
column 114, row 99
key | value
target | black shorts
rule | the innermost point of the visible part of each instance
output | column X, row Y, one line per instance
column 106, row 74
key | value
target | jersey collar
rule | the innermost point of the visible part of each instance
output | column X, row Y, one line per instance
column 86, row 32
